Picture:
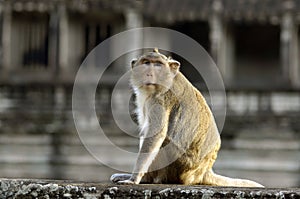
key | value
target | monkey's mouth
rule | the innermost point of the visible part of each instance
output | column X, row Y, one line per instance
column 150, row 84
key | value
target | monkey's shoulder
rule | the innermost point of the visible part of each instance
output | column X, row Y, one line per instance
column 188, row 92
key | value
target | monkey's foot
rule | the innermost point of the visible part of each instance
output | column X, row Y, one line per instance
column 119, row 177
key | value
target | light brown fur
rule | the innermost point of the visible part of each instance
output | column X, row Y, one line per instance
column 177, row 124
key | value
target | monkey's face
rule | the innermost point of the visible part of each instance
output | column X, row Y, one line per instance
column 153, row 72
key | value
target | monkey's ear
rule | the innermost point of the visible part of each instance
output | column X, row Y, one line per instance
column 133, row 62
column 155, row 50
column 174, row 65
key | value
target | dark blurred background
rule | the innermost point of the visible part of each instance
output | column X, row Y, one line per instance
column 254, row 43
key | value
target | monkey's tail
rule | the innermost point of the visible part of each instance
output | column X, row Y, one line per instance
column 211, row 178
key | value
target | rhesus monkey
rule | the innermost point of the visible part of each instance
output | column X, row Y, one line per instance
column 179, row 139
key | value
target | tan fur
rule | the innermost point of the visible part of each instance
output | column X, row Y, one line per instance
column 173, row 115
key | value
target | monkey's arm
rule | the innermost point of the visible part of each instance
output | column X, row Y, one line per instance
column 154, row 136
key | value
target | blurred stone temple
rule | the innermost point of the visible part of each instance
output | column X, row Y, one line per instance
column 254, row 43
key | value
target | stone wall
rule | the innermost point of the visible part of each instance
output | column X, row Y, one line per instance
column 11, row 188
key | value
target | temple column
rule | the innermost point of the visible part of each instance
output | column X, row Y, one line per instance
column 6, row 37
column 63, row 40
column 289, row 48
column 222, row 46
column 134, row 19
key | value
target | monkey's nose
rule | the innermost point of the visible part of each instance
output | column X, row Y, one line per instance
column 149, row 75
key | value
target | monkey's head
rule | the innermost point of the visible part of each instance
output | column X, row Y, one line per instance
column 153, row 72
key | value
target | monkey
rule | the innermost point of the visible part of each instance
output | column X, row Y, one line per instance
column 179, row 139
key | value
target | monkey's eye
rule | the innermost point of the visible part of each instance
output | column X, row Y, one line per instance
column 158, row 64
column 146, row 62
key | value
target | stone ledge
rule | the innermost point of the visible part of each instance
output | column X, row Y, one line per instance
column 26, row 188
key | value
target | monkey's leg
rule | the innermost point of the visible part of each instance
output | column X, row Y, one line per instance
column 153, row 139
column 120, row 177
column 146, row 155
column 210, row 178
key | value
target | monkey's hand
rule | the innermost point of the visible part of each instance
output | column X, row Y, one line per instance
column 126, row 182
column 120, row 177
column 134, row 179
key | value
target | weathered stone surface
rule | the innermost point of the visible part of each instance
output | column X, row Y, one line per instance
column 21, row 189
